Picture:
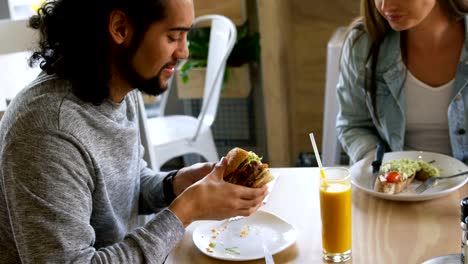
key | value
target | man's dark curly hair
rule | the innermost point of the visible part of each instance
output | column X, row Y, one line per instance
column 75, row 43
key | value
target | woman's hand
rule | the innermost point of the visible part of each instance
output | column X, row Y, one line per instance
column 213, row 198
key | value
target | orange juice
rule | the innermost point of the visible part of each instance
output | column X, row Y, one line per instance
column 335, row 208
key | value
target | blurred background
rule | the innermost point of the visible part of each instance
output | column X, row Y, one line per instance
column 274, row 100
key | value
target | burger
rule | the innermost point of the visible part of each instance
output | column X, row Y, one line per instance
column 246, row 168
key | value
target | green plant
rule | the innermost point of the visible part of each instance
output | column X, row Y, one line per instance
column 246, row 49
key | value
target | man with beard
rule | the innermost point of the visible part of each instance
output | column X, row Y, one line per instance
column 72, row 175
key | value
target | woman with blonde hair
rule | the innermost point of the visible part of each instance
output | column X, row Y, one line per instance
column 404, row 72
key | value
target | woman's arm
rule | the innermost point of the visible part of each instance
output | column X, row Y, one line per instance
column 355, row 128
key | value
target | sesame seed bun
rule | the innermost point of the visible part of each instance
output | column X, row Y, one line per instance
column 234, row 158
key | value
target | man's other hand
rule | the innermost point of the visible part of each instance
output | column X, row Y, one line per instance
column 190, row 175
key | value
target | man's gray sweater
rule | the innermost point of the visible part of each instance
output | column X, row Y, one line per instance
column 73, row 181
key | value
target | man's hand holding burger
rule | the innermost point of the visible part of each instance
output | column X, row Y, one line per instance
column 215, row 199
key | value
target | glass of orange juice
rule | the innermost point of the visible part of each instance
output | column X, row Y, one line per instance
column 335, row 211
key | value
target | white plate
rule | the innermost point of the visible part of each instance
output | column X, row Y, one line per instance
column 361, row 173
column 447, row 259
column 242, row 239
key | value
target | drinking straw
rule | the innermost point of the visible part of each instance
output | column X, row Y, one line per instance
column 317, row 156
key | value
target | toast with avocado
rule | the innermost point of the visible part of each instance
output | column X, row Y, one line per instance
column 396, row 175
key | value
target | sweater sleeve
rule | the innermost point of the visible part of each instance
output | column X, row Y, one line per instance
column 48, row 187
column 156, row 191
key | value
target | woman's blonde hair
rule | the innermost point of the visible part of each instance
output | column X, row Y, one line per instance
column 376, row 27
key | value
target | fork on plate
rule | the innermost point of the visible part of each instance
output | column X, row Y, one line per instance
column 235, row 218
column 268, row 256
column 431, row 180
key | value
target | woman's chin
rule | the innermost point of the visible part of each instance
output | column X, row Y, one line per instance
column 400, row 26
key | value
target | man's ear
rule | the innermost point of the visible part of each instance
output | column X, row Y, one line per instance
column 119, row 26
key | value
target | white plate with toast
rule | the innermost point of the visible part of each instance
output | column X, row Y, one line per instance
column 361, row 173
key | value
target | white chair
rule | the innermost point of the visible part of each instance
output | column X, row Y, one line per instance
column 331, row 147
column 168, row 137
column 16, row 41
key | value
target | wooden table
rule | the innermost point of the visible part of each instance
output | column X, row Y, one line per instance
column 383, row 231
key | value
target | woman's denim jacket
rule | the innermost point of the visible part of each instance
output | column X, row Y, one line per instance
column 357, row 128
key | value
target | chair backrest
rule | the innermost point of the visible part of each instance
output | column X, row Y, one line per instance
column 17, row 39
column 223, row 36
column 164, row 97
column 149, row 155
column 331, row 148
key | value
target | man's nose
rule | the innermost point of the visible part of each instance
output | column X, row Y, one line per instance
column 182, row 51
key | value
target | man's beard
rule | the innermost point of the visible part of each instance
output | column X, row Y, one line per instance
column 151, row 86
